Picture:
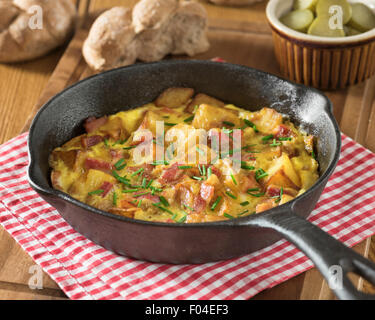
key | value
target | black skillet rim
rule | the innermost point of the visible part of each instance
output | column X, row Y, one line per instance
column 227, row 223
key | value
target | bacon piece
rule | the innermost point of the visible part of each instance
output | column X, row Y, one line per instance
column 283, row 131
column 150, row 197
column 207, row 192
column 106, row 187
column 199, row 204
column 91, row 124
column 172, row 174
column 147, row 172
column 97, row 164
column 249, row 182
column 90, row 141
column 215, row 171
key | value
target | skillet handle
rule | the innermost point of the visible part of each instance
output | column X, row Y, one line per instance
column 332, row 258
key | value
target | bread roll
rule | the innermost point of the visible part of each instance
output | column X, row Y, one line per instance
column 154, row 29
column 19, row 42
column 110, row 43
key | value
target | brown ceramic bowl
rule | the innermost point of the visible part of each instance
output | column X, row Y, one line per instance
column 321, row 62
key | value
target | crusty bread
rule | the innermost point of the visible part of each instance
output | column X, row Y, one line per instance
column 111, row 40
column 19, row 42
column 234, row 2
column 154, row 29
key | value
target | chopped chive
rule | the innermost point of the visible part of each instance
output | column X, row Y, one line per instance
column 251, row 125
column 174, row 216
column 280, row 196
column 259, row 174
column 164, row 201
column 137, row 172
column 228, row 216
column 186, row 206
column 128, row 148
column 114, row 200
column 182, row 220
column 266, row 138
column 119, row 164
column 263, row 175
column 139, row 203
column 149, row 183
column 285, row 138
column 200, row 151
column 197, row 178
column 144, row 183
column 275, row 144
column 246, row 167
column 156, row 189
column 203, row 170
column 169, row 124
column 209, row 172
column 200, row 169
column 253, row 189
column 129, row 190
column 99, row 191
column 185, row 167
column 160, row 162
column 216, row 203
column 166, row 117
column 106, row 143
column 313, row 155
column 231, row 195
column 195, row 108
column 228, row 123
column 189, row 119
column 141, row 194
column 233, row 179
column 245, row 203
column 120, row 179
column 243, row 212
column 162, row 208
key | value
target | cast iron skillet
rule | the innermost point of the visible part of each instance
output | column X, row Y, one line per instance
column 120, row 89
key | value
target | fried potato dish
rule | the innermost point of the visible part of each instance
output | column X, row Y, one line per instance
column 186, row 158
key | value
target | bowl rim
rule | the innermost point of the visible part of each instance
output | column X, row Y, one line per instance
column 282, row 29
column 50, row 192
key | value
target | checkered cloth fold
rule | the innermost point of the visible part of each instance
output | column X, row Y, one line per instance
column 85, row 270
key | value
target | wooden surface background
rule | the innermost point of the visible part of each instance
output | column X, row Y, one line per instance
column 238, row 35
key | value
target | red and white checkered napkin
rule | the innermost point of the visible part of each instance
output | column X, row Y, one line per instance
column 85, row 270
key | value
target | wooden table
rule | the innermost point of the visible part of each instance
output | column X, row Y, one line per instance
column 22, row 88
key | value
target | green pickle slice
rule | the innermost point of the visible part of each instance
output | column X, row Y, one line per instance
column 298, row 20
column 304, row 4
column 323, row 8
column 320, row 27
column 349, row 31
column 363, row 19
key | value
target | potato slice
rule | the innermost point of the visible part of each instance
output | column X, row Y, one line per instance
column 202, row 98
column 323, row 8
column 363, row 19
column 174, row 97
column 298, row 20
column 320, row 27
column 207, row 117
column 304, row 4
column 283, row 174
column 266, row 120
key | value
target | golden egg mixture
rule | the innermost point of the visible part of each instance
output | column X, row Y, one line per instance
column 277, row 161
